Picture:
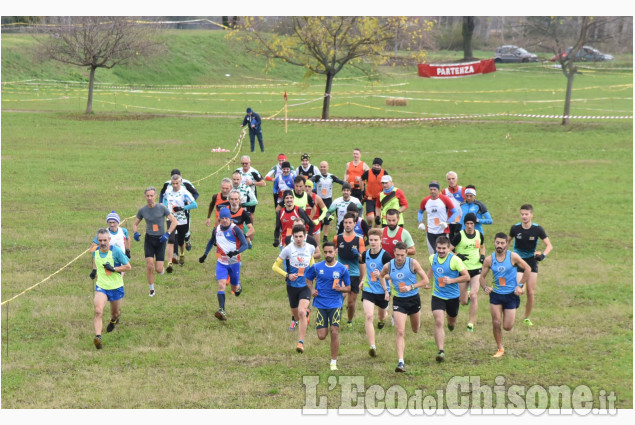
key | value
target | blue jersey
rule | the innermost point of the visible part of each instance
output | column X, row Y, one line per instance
column 403, row 276
column 449, row 267
column 325, row 277
column 504, row 274
column 480, row 210
column 371, row 264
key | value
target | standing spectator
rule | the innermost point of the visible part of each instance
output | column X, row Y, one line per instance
column 255, row 128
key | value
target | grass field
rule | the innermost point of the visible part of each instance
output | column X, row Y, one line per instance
column 63, row 172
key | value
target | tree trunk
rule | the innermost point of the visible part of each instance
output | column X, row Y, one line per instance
column 567, row 97
column 468, row 32
column 327, row 95
column 91, row 82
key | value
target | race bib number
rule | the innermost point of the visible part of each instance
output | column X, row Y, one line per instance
column 402, row 287
column 300, row 271
column 477, row 244
column 501, row 281
column 155, row 227
column 436, row 221
column 336, row 283
column 441, row 283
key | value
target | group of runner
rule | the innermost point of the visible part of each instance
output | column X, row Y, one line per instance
column 371, row 252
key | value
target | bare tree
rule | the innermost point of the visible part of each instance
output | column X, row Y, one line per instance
column 559, row 33
column 97, row 42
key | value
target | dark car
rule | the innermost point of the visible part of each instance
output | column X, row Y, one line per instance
column 586, row 54
column 512, row 53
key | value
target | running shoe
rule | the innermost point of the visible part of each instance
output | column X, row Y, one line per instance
column 401, row 367
column 528, row 322
column 349, row 326
column 334, row 366
column 111, row 325
column 441, row 356
column 181, row 259
column 308, row 315
column 169, row 269
column 450, row 327
column 380, row 325
column 300, row 347
column 175, row 259
column 240, row 290
column 499, row 353
column 249, row 245
column 372, row 351
column 97, row 342
column 151, row 293
column 293, row 326
column 470, row 327
column 188, row 245
column 220, row 315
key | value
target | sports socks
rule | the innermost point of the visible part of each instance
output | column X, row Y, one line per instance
column 221, row 299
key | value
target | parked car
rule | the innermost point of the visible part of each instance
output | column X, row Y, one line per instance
column 512, row 53
column 586, row 54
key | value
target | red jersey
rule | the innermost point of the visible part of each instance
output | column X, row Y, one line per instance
column 388, row 243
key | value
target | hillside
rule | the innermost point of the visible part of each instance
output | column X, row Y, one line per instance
column 192, row 57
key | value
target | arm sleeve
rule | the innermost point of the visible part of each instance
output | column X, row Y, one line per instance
column 307, row 220
column 420, row 216
column 457, row 239
column 276, row 232
column 192, row 203
column 337, row 179
column 163, row 189
column 125, row 233
column 244, row 121
column 119, row 257
column 240, row 235
column 191, row 189
column 486, row 218
column 276, row 267
column 211, row 242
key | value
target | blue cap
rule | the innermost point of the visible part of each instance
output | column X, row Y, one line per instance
column 249, row 111
column 224, row 213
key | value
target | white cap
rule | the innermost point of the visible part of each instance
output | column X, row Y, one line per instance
column 386, row 179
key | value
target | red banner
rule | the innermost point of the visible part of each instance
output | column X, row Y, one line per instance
column 456, row 70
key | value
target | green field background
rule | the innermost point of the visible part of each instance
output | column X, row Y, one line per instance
column 63, row 171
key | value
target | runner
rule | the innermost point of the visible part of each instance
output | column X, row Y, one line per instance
column 448, row 271
column 349, row 246
column 525, row 236
column 504, row 296
column 353, row 174
column 109, row 262
column 374, row 293
column 402, row 272
column 331, row 281
column 230, row 242
column 298, row 257
column 469, row 246
column 155, row 236
column 324, row 188
column 372, row 182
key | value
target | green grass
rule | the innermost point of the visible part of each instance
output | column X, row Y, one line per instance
column 63, row 172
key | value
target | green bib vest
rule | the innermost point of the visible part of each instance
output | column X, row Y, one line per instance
column 105, row 279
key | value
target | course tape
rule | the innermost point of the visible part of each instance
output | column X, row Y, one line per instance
column 227, row 164
column 454, row 117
